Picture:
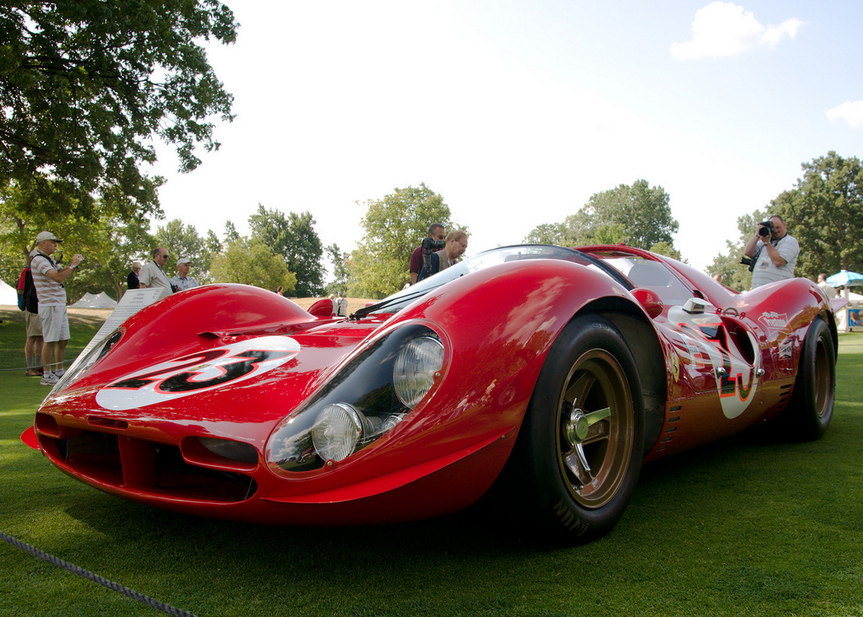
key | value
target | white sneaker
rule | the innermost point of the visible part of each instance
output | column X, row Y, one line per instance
column 49, row 379
column 60, row 372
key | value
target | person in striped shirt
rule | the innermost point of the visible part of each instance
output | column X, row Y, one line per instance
column 48, row 277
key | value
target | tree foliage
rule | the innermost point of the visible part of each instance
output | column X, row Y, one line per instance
column 393, row 227
column 293, row 236
column 108, row 245
column 824, row 212
column 251, row 262
column 341, row 269
column 638, row 215
column 85, row 85
column 109, row 248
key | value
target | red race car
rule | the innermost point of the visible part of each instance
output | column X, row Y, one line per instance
column 552, row 372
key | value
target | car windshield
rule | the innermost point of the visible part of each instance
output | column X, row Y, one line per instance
column 647, row 273
column 398, row 301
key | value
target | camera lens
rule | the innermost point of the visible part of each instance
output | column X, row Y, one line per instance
column 763, row 231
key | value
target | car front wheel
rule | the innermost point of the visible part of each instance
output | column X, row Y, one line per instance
column 580, row 452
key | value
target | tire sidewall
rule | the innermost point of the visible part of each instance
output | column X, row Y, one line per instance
column 556, row 507
column 810, row 425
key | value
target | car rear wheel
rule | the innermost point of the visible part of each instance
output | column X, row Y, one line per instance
column 580, row 451
column 811, row 406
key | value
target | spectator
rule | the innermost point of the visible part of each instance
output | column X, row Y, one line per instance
column 183, row 281
column 826, row 287
column 48, row 277
column 152, row 274
column 28, row 302
column 132, row 277
column 437, row 233
column 774, row 252
column 341, row 305
column 456, row 245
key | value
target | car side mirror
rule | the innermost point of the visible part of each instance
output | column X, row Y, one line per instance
column 649, row 301
column 322, row 308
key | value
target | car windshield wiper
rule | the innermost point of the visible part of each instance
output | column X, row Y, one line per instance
column 363, row 312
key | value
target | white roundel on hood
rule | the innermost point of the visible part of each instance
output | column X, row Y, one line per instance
column 198, row 372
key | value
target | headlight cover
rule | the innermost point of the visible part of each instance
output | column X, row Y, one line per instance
column 367, row 398
column 83, row 364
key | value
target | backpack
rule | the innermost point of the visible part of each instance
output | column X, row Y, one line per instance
column 31, row 301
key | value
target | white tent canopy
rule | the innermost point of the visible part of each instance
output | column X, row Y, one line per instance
column 8, row 295
column 89, row 300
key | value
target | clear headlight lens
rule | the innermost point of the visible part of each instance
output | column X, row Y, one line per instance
column 336, row 432
column 415, row 368
column 366, row 399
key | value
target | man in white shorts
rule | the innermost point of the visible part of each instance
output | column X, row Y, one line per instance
column 48, row 278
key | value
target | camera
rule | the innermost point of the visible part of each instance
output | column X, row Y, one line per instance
column 766, row 228
column 430, row 244
column 746, row 261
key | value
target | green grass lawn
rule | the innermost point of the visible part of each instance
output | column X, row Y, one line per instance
column 748, row 526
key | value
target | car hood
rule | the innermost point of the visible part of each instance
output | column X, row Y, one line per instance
column 208, row 360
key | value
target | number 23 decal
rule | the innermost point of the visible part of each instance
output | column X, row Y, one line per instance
column 198, row 372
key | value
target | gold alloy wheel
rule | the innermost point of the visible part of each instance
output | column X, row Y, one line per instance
column 596, row 428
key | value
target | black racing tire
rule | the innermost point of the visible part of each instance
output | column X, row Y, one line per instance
column 578, row 456
column 811, row 406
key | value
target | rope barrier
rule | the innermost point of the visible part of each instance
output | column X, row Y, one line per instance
column 165, row 608
column 26, row 368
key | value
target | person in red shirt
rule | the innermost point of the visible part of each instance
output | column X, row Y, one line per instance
column 436, row 232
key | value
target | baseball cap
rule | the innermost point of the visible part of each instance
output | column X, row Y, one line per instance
column 47, row 235
column 184, row 260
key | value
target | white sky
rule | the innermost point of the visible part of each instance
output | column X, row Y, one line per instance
column 516, row 112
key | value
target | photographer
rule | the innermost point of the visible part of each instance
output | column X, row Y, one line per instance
column 772, row 251
column 48, row 278
column 420, row 256
column 456, row 245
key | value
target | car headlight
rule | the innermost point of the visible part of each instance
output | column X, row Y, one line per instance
column 415, row 368
column 366, row 399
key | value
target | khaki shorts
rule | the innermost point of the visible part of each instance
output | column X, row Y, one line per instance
column 34, row 324
column 55, row 323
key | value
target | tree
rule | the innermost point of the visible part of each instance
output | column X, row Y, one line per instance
column 109, row 245
column 251, row 262
column 394, row 226
column 341, row 269
column 109, row 248
column 231, row 233
column 824, row 212
column 548, row 233
column 663, row 248
column 637, row 215
column 85, row 86
column 293, row 236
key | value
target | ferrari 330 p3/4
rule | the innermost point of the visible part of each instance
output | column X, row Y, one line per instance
column 549, row 372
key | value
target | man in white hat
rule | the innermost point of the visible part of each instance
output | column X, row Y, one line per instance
column 183, row 281
column 48, row 277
